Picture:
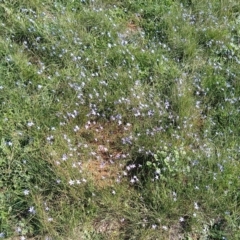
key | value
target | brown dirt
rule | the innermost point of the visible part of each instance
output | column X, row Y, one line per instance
column 105, row 139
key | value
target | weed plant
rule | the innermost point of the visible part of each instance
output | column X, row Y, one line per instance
column 119, row 119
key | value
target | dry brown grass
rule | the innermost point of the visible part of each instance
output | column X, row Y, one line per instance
column 105, row 139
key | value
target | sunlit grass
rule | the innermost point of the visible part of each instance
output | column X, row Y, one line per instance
column 119, row 119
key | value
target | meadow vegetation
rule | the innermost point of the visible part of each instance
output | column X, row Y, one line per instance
column 119, row 119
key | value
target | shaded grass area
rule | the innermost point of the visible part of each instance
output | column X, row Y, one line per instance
column 119, row 119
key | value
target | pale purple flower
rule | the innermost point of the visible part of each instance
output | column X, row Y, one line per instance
column 154, row 226
column 26, row 192
column 181, row 219
column 30, row 124
column 165, row 228
column 32, row 210
column 71, row 182
column 196, row 205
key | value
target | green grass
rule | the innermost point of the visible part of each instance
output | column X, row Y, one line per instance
column 119, row 119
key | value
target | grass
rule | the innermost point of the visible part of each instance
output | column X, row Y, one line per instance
column 119, row 119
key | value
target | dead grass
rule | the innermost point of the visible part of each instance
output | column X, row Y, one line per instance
column 105, row 139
